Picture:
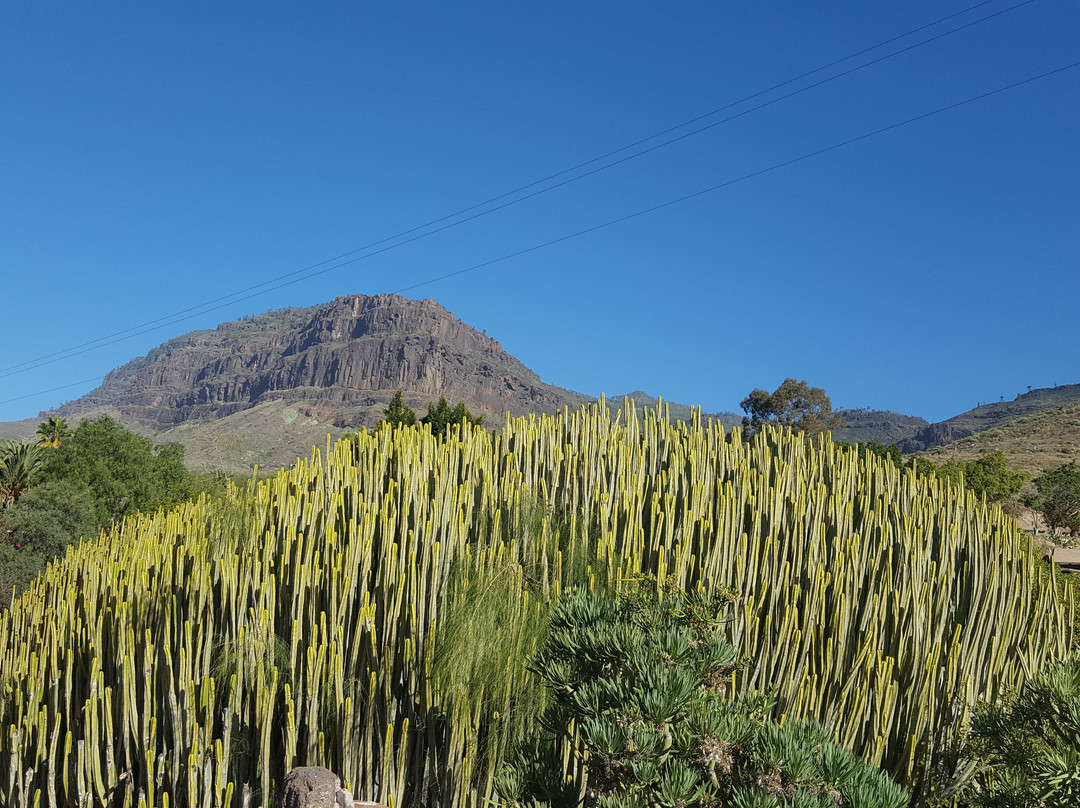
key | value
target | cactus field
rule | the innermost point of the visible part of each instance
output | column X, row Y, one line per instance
column 371, row 609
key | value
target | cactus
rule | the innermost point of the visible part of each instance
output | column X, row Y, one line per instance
column 881, row 605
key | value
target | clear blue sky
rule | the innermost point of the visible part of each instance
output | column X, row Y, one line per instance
column 156, row 157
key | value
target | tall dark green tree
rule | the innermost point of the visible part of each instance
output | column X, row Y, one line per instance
column 440, row 416
column 397, row 412
column 794, row 404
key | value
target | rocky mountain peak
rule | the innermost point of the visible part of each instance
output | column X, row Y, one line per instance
column 345, row 358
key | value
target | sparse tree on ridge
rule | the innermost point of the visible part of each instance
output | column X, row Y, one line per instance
column 793, row 404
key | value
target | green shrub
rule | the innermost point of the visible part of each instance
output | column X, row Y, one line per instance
column 641, row 715
column 1028, row 745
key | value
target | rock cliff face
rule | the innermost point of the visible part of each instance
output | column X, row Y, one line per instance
column 343, row 360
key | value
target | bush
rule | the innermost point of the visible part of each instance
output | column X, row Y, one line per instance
column 51, row 516
column 641, row 710
column 1028, row 746
column 18, row 569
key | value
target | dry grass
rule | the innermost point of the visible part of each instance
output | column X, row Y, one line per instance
column 1033, row 444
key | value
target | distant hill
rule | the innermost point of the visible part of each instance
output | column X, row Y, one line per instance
column 264, row 389
column 344, row 359
column 990, row 416
column 1034, row 443
column 880, row 426
column 677, row 412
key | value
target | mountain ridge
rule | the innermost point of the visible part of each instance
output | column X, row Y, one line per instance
column 263, row 389
column 346, row 358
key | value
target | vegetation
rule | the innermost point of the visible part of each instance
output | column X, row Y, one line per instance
column 990, row 475
column 397, row 412
column 125, row 471
column 1057, row 497
column 326, row 616
column 1029, row 744
column 795, row 405
column 440, row 416
column 20, row 465
column 53, row 431
column 642, row 715
column 70, row 484
column 50, row 517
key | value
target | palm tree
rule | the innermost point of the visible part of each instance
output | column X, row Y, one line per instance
column 19, row 465
column 51, row 432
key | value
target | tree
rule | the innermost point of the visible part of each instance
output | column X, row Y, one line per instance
column 51, row 516
column 794, row 404
column 53, row 431
column 990, row 476
column 20, row 464
column 639, row 708
column 18, row 569
column 1057, row 497
column 441, row 416
column 397, row 412
column 125, row 472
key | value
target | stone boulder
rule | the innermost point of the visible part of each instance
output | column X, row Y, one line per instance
column 314, row 787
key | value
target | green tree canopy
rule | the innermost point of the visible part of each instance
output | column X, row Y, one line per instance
column 1057, row 497
column 124, row 472
column 441, row 416
column 991, row 476
column 50, row 516
column 794, row 404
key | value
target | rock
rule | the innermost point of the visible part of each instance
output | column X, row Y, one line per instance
column 347, row 355
column 313, row 787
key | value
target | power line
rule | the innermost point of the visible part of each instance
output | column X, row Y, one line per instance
column 52, row 389
column 694, row 195
column 414, row 234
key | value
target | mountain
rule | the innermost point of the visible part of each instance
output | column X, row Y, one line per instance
column 676, row 412
column 1033, row 443
column 265, row 388
column 262, row 390
column 881, row 426
column 990, row 416
column 346, row 359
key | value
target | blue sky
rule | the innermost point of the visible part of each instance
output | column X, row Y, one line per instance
column 156, row 158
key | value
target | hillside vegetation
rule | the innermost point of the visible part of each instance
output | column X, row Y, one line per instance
column 371, row 610
column 1033, row 443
